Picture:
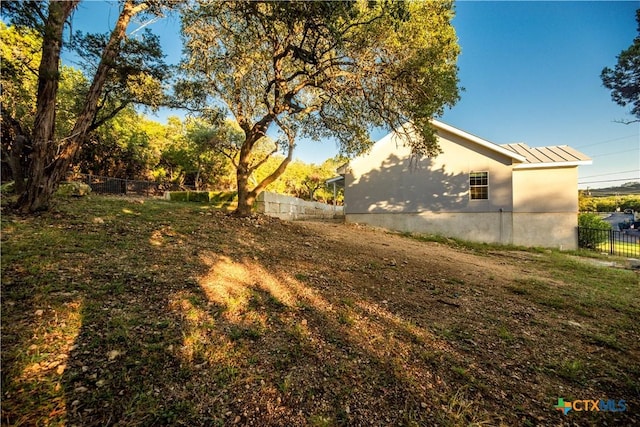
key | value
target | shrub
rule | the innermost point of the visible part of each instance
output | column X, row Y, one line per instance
column 592, row 220
column 8, row 188
column 73, row 188
column 189, row 196
column 593, row 230
column 215, row 197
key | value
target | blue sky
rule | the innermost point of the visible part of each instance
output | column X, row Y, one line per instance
column 531, row 73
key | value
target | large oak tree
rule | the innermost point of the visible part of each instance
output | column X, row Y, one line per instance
column 320, row 69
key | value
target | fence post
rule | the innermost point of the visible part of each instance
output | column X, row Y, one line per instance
column 611, row 242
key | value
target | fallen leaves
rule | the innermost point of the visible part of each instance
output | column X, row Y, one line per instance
column 167, row 317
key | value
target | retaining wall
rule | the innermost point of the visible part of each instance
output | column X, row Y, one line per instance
column 290, row 208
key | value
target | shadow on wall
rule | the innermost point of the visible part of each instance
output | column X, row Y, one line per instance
column 399, row 185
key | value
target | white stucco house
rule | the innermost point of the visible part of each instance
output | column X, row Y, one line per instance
column 474, row 190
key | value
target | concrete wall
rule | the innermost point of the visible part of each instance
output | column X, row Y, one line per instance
column 548, row 229
column 290, row 208
column 487, row 227
column 551, row 230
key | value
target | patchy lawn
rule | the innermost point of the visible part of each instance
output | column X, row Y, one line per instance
column 128, row 312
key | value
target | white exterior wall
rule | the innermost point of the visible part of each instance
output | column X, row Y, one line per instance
column 388, row 180
column 546, row 207
column 528, row 206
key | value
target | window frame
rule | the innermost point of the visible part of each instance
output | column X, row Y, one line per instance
column 482, row 188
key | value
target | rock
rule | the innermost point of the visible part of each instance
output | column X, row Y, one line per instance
column 113, row 354
column 574, row 323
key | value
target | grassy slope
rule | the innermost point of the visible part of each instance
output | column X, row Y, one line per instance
column 116, row 311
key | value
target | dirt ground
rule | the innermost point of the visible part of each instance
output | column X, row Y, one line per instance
column 502, row 347
column 148, row 313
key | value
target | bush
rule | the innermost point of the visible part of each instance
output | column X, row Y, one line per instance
column 594, row 230
column 592, row 220
column 189, row 196
column 215, row 197
column 8, row 188
column 222, row 196
column 73, row 188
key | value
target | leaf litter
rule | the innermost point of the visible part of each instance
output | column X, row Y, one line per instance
column 177, row 314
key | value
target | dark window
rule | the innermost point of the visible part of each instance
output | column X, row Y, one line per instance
column 479, row 185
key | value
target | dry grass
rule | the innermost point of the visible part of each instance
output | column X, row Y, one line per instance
column 124, row 312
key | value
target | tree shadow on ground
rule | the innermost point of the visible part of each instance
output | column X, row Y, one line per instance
column 187, row 317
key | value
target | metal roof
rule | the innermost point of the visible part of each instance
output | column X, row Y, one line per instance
column 557, row 155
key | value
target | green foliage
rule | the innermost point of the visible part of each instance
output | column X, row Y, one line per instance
column 20, row 53
column 124, row 71
column 320, row 70
column 8, row 187
column 302, row 180
column 215, row 197
column 593, row 232
column 195, row 154
column 222, row 196
column 73, row 188
column 136, row 75
column 189, row 196
column 623, row 79
column 608, row 204
column 591, row 220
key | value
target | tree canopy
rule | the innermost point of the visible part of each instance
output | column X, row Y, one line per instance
column 320, row 69
column 624, row 79
column 124, row 71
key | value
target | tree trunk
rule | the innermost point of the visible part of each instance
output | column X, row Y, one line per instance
column 15, row 150
column 246, row 197
column 35, row 197
column 47, row 169
column 16, row 162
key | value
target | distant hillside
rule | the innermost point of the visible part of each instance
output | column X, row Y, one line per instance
column 629, row 188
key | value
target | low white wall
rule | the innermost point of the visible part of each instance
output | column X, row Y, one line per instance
column 290, row 208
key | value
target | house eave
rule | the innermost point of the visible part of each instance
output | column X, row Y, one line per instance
column 336, row 179
column 544, row 165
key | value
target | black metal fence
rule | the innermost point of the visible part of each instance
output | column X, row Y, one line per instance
column 621, row 243
column 107, row 185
